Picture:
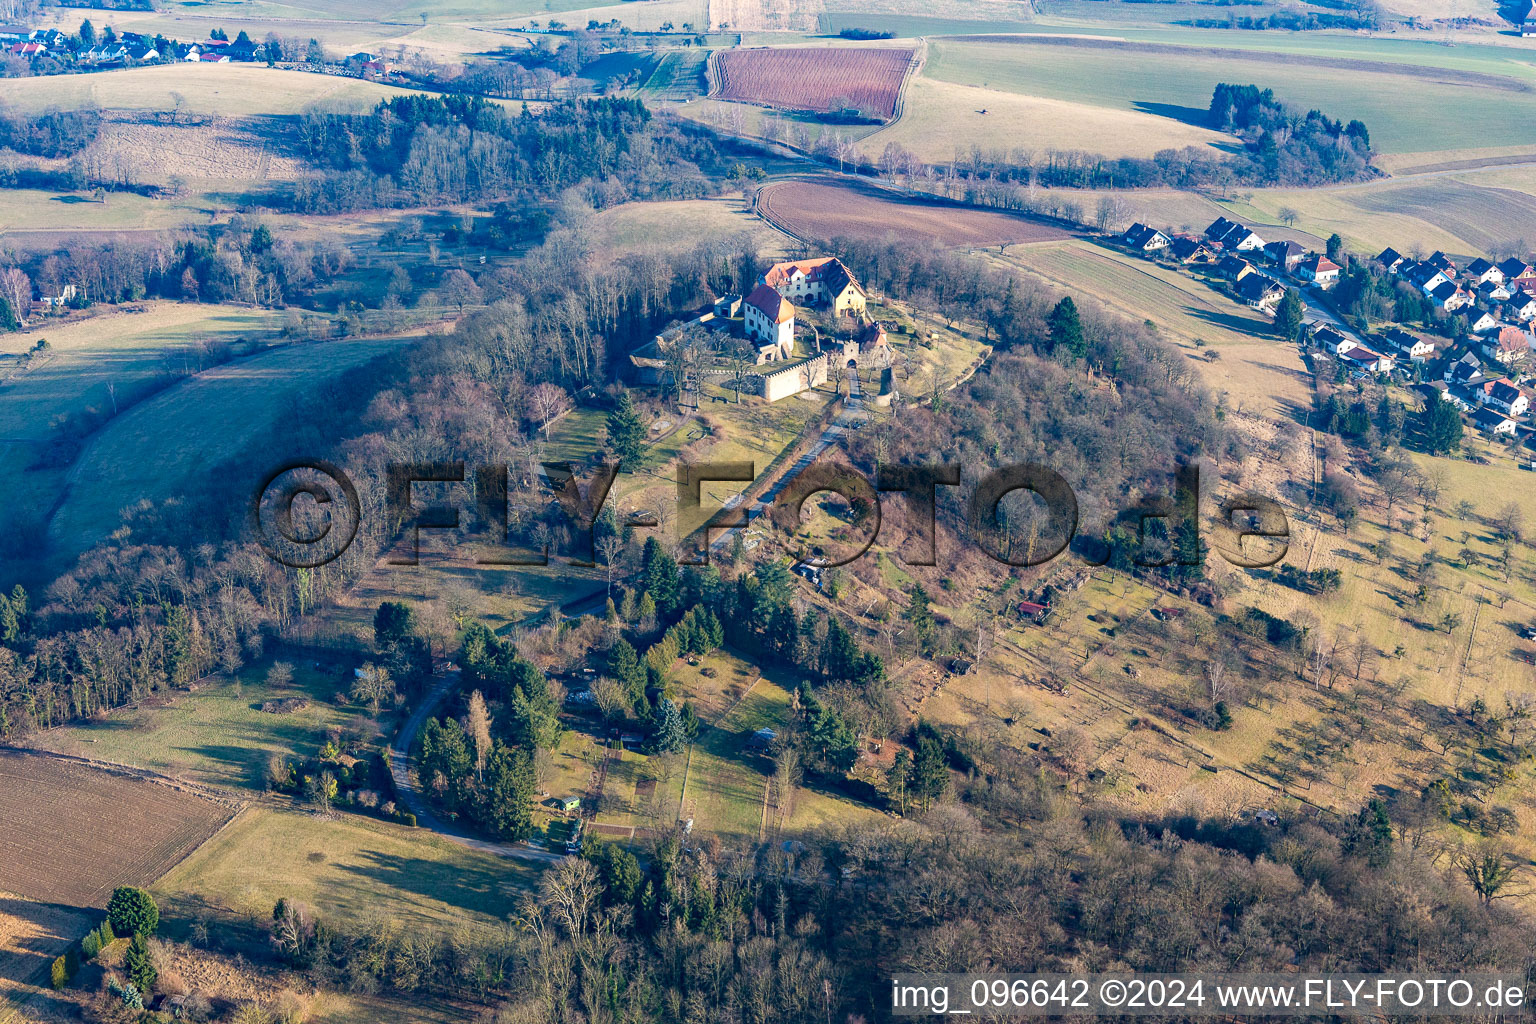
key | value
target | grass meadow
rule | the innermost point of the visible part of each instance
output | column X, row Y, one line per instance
column 195, row 426
column 218, row 735
column 1403, row 105
column 1252, row 371
column 88, row 365
column 350, row 868
column 943, row 120
column 225, row 90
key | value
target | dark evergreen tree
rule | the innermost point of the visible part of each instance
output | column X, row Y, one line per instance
column 626, row 434
column 1066, row 329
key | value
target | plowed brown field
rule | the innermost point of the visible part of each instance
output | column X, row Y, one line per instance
column 823, row 210
column 814, row 77
column 71, row 833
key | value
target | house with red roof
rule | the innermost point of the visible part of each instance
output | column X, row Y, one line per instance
column 769, row 318
column 1320, row 270
column 823, row 281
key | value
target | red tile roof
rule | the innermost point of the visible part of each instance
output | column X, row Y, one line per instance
column 771, row 304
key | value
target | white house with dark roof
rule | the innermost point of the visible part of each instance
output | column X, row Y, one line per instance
column 1520, row 305
column 1410, row 346
column 1144, row 238
column 1233, row 236
column 1491, row 422
column 1482, row 271
column 1450, row 296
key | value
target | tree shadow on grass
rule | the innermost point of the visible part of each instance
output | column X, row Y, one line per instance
column 472, row 888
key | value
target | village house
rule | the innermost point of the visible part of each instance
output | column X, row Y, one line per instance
column 1233, row 236
column 1482, row 272
column 1505, row 397
column 1188, row 249
column 1450, row 296
column 1358, row 357
column 214, row 58
column 1285, row 255
column 1320, row 270
column 1491, row 422
column 1423, row 276
column 1521, row 306
column 1483, row 323
column 1143, row 238
column 1493, row 291
column 1260, row 291
column 1517, row 273
column 1468, row 370
column 1329, row 337
column 1391, row 259
column 1443, row 263
column 1234, row 268
column 1409, row 346
column 1511, row 346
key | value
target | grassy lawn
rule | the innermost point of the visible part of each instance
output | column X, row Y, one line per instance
column 352, row 869
column 218, row 736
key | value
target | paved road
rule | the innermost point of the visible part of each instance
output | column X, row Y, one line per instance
column 401, row 762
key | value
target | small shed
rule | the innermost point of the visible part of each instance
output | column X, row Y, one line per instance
column 762, row 739
column 570, row 803
column 1033, row 612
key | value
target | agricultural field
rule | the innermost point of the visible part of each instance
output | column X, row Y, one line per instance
column 868, row 79
column 193, row 427
column 1253, row 371
column 678, row 76
column 208, row 90
column 942, row 121
column 1402, row 104
column 1470, row 213
column 823, row 209
column 54, row 813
